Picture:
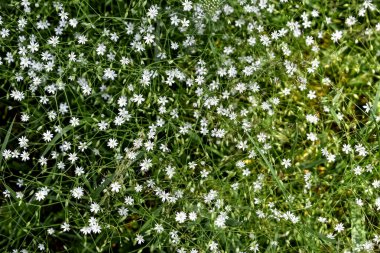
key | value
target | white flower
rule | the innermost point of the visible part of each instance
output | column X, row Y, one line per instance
column 286, row 163
column 47, row 136
column 125, row 61
column 86, row 230
column 138, row 99
column 101, row 49
column 358, row 170
column 339, row 228
column 311, row 118
column 170, row 171
column 192, row 216
column 146, row 164
column 112, row 143
column 337, row 35
column 17, row 95
column 311, row 94
column 367, row 107
column 129, row 200
column 96, row 228
column 213, row 246
column 346, row 148
column 73, row 22
column 19, row 195
column 65, row 227
column 376, row 184
column 139, row 239
column 152, row 12
column 377, row 203
column 53, row 41
column 123, row 211
column 359, row 202
column 109, row 74
column 360, row 149
column 74, row 121
column 159, row 228
column 187, row 5
column 242, row 145
column 312, row 137
column 77, row 192
column 115, row 187
column 42, row 193
column 149, row 38
column 94, row 207
column 23, row 142
column 180, row 217
column 41, row 247
column 331, row 157
column 79, row 171
column 350, row 21
column 221, row 220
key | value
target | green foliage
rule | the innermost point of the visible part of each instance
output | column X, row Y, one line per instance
column 189, row 126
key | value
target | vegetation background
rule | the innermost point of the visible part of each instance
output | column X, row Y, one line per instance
column 189, row 126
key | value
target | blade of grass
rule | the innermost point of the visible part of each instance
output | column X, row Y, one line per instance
column 266, row 161
column 5, row 142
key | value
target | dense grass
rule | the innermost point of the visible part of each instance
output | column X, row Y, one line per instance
column 189, row 126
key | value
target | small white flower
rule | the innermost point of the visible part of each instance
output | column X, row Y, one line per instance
column 312, row 118
column 187, row 5
column 23, row 142
column 41, row 247
column 159, row 228
column 109, row 74
column 360, row 149
column 77, row 192
column 65, row 227
column 286, row 163
column 311, row 94
column 50, row 231
column 86, row 230
column 213, row 246
column 336, row 36
column 115, row 187
column 367, row 107
column 221, row 220
column 74, row 121
column 112, row 143
column 376, row 184
column 359, row 202
column 42, row 193
column 180, row 217
column 346, row 148
column 123, row 211
column 331, row 158
column 94, row 207
column 139, row 239
column 377, row 203
column 7, row 193
column 339, row 228
column 192, row 216
column 312, row 137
